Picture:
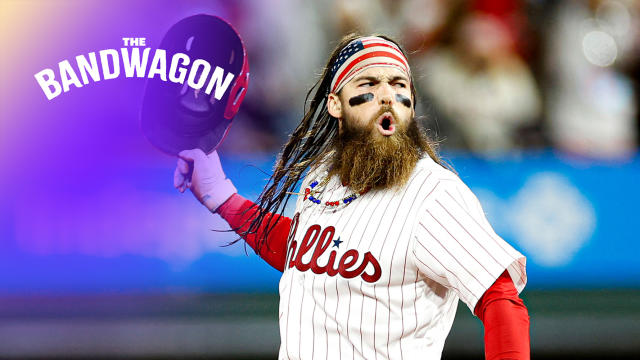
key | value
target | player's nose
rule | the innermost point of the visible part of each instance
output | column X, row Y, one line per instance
column 386, row 94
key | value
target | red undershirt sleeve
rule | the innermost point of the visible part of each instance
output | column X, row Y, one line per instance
column 275, row 252
column 506, row 321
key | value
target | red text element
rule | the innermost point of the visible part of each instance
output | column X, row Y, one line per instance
column 348, row 266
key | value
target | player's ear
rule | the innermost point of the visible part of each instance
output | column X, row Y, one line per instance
column 334, row 107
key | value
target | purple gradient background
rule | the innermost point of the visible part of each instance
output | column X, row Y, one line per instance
column 87, row 204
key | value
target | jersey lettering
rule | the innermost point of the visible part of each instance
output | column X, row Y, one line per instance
column 346, row 264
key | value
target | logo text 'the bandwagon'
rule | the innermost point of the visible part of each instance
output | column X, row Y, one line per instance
column 134, row 64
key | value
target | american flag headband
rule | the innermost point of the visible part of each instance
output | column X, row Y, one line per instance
column 363, row 53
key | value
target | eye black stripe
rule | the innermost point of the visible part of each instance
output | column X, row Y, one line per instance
column 360, row 99
column 404, row 100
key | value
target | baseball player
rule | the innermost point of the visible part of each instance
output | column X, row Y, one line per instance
column 385, row 239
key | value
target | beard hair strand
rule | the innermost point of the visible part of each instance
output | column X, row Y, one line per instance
column 366, row 159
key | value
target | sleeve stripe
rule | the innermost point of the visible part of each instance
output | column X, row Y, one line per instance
column 450, row 254
column 458, row 241
column 447, row 282
column 480, row 225
column 454, row 275
column 471, row 236
column 490, row 235
column 461, row 197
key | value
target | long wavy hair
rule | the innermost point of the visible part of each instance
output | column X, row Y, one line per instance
column 314, row 138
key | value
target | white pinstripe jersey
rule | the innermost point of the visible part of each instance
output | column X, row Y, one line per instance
column 380, row 278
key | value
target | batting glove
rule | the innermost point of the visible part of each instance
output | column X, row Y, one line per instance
column 203, row 174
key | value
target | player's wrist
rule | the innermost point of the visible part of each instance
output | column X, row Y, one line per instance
column 220, row 192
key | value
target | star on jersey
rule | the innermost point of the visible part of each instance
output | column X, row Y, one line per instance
column 336, row 243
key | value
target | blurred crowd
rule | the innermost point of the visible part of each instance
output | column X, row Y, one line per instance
column 493, row 76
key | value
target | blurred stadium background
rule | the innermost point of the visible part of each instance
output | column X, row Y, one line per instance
column 534, row 101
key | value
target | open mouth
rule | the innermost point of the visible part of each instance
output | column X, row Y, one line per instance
column 386, row 124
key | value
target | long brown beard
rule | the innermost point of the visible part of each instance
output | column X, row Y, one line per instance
column 366, row 159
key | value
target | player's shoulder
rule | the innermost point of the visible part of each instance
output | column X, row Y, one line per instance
column 426, row 167
column 448, row 188
column 441, row 177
